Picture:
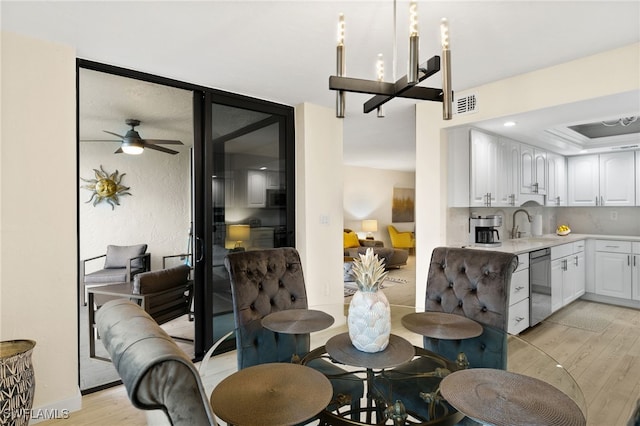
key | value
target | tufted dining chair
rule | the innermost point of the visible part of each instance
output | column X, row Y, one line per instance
column 266, row 281
column 475, row 284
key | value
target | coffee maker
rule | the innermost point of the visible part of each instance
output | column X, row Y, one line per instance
column 483, row 232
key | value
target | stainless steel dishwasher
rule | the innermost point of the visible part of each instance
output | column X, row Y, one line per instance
column 540, row 285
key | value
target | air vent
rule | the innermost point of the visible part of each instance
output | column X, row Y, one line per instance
column 466, row 104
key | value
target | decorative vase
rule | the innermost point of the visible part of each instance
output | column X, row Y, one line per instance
column 369, row 317
column 17, row 382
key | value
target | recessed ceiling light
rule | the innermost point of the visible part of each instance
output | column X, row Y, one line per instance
column 509, row 123
column 263, row 168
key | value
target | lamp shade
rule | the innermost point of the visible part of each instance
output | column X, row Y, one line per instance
column 239, row 232
column 370, row 225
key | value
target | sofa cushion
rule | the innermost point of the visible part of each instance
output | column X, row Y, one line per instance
column 351, row 240
column 164, row 279
column 118, row 256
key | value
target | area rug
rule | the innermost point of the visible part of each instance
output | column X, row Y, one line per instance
column 582, row 319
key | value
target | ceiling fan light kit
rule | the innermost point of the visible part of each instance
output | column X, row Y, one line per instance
column 406, row 86
column 131, row 143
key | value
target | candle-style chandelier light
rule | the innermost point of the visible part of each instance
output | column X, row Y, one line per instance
column 406, row 86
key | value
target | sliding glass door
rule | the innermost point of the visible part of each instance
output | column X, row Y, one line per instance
column 245, row 198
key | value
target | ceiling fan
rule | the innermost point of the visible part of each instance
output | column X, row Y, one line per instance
column 133, row 144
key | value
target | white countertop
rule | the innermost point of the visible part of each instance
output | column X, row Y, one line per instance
column 527, row 244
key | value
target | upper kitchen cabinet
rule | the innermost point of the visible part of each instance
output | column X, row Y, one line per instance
column 533, row 170
column 583, row 180
column 256, row 189
column 637, row 154
column 617, row 174
column 485, row 160
column 602, row 180
column 509, row 173
column 557, row 180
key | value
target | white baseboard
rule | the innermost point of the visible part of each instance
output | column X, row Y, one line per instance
column 57, row 410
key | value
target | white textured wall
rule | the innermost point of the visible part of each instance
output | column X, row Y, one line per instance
column 38, row 262
column 157, row 213
column 368, row 195
column 319, row 188
column 565, row 83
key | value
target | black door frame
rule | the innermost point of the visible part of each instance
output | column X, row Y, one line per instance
column 201, row 198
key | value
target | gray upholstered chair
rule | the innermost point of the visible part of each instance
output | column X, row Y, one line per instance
column 121, row 264
column 475, row 284
column 266, row 281
column 155, row 372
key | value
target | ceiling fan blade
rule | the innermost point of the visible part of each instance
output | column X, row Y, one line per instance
column 114, row 134
column 119, row 151
column 161, row 141
column 99, row 140
column 160, row 148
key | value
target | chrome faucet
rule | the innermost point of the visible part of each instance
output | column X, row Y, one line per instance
column 514, row 230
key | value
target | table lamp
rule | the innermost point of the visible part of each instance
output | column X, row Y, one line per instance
column 239, row 233
column 370, row 226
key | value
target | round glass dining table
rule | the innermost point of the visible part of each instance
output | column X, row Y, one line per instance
column 380, row 407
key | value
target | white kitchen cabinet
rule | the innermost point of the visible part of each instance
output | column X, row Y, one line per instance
column 567, row 274
column 557, row 180
column 518, row 320
column 635, row 272
column 483, row 180
column 601, row 180
column 509, row 173
column 583, row 180
column 256, row 188
column 614, row 268
column 616, row 179
column 637, row 155
column 533, row 170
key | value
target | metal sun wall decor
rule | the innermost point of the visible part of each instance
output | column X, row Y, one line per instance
column 106, row 187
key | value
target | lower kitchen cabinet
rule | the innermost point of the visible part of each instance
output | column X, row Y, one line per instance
column 519, row 297
column 615, row 269
column 567, row 274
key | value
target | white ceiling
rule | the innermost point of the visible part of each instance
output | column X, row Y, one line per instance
column 284, row 51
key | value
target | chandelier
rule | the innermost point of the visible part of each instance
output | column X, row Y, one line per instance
column 406, row 86
column 624, row 121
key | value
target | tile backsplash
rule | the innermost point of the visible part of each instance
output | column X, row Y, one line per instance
column 581, row 220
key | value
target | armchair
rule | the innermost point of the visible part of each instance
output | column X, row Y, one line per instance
column 401, row 240
column 156, row 373
column 121, row 264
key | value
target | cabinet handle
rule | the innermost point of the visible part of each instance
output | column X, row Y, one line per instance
column 575, row 260
column 518, row 319
column 612, row 246
column 564, row 264
column 557, row 200
column 519, row 288
column 596, row 200
column 535, row 187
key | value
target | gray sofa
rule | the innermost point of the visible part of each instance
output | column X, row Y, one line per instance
column 393, row 258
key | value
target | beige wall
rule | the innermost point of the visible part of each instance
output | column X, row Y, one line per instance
column 367, row 195
column 319, row 188
column 38, row 189
column 611, row 72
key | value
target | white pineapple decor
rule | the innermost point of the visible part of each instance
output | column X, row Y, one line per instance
column 369, row 318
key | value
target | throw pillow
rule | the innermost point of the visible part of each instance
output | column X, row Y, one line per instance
column 118, row 256
column 351, row 240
